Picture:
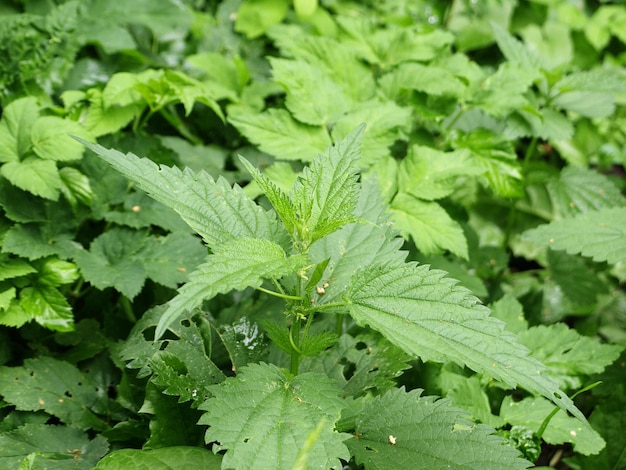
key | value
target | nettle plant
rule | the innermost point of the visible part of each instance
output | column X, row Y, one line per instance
column 330, row 314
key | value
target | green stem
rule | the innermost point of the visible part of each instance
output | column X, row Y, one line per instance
column 178, row 124
column 278, row 294
column 127, row 308
column 296, row 353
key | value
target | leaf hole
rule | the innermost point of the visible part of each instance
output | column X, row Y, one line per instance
column 246, row 439
column 360, row 346
column 186, row 323
column 68, row 394
column 148, row 333
column 348, row 370
column 557, row 395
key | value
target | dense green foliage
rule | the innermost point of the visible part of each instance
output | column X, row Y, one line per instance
column 301, row 234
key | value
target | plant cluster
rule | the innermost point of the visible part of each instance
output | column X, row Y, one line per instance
column 335, row 234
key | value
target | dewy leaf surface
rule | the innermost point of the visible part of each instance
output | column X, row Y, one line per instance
column 214, row 209
column 405, row 430
column 427, row 315
column 262, row 418
column 236, row 265
column 600, row 235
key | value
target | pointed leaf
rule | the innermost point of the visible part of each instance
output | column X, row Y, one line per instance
column 52, row 141
column 167, row 457
column 48, row 307
column 214, row 209
column 430, row 226
column 429, row 316
column 262, row 418
column 15, row 127
column 242, row 263
column 401, row 429
column 600, row 235
column 39, row 177
column 278, row 134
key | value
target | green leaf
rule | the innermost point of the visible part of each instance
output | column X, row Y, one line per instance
column 168, row 457
column 509, row 310
column 262, row 418
column 48, row 307
column 429, row 79
column 600, row 235
column 39, row 177
column 34, row 241
column 427, row 315
column 568, row 356
column 52, row 447
column 75, row 187
column 114, row 260
column 55, row 272
column 56, row 387
column 278, row 134
column 355, row 246
column 51, row 139
column 582, row 190
column 100, row 120
column 141, row 211
column 531, row 412
column 242, row 263
column 361, row 364
column 312, row 96
column 430, row 174
column 515, row 51
column 254, row 17
column 214, row 209
column 244, row 342
column 14, row 267
column 15, row 128
column 169, row 260
column 401, row 427
column 385, row 123
column 6, row 297
column 430, row 226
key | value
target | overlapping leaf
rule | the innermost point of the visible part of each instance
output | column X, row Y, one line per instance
column 406, row 430
column 262, row 418
column 242, row 263
column 429, row 316
column 600, row 235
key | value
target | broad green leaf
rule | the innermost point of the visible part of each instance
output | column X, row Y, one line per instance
column 21, row 206
column 429, row 79
column 590, row 104
column 583, row 190
column 262, row 418
column 278, row 134
column 600, row 235
column 326, row 194
column 546, row 123
column 114, row 260
column 429, row 225
column 100, row 120
column 427, row 315
column 312, row 97
column 471, row 23
column 48, row 307
column 568, row 356
column 35, row 446
column 254, row 17
column 15, row 128
column 531, row 412
column 242, row 263
column 214, row 209
column 7, row 295
column 430, row 174
column 167, row 457
column 55, row 272
column 169, row 260
column 385, row 123
column 56, row 387
column 551, row 42
column 509, row 310
column 516, row 52
column 14, row 267
column 597, row 80
column 244, row 341
column 35, row 241
column 141, row 211
column 51, row 139
column 355, row 246
column 401, row 429
column 39, row 177
column 362, row 364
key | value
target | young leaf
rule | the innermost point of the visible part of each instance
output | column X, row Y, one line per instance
column 429, row 316
column 262, row 418
column 326, row 194
column 600, row 235
column 403, row 428
column 48, row 307
column 531, row 412
column 40, row 177
column 15, row 128
column 214, row 209
column 242, row 263
column 167, row 457
column 46, row 446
